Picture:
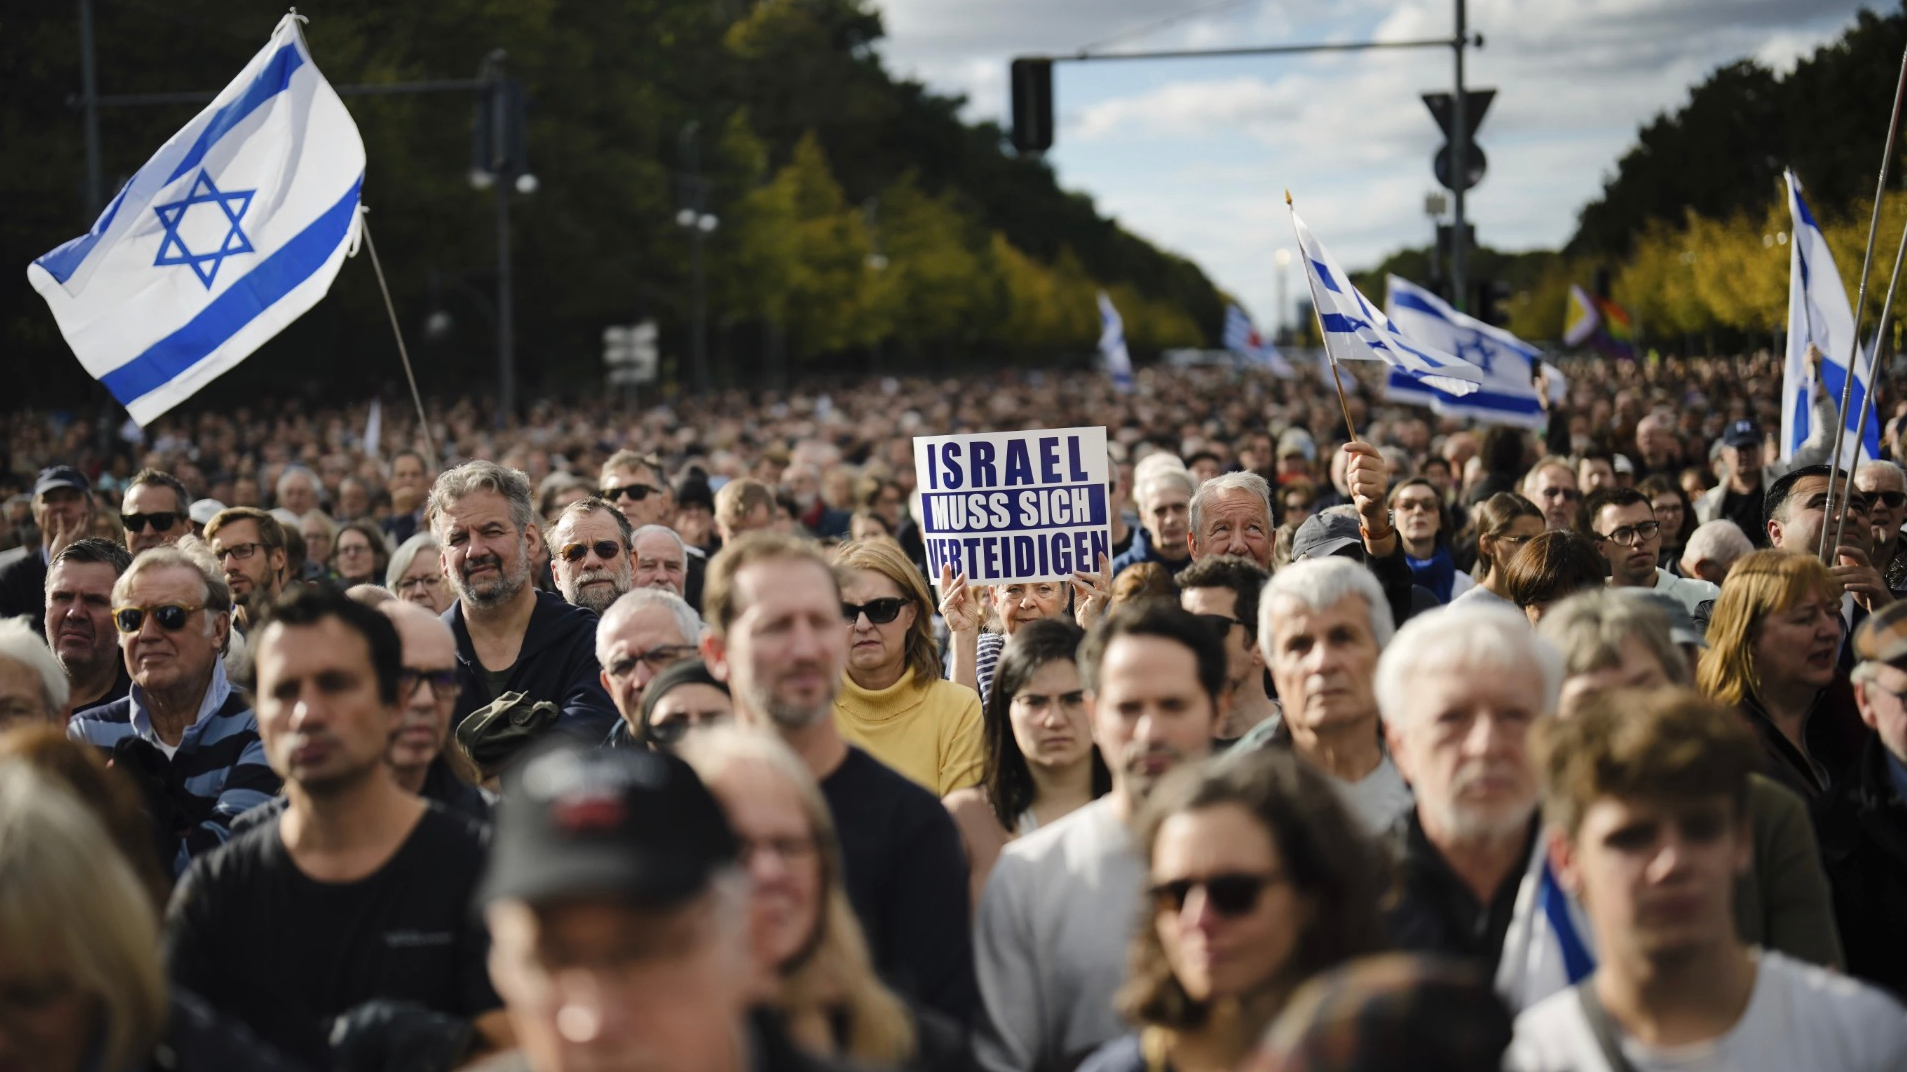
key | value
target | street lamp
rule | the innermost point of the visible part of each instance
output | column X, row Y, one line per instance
column 1282, row 259
column 499, row 155
column 695, row 218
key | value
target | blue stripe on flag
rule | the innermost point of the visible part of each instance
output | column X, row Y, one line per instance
column 64, row 261
column 1341, row 324
column 1801, row 207
column 1324, row 276
column 240, row 304
column 1578, row 964
column 271, row 81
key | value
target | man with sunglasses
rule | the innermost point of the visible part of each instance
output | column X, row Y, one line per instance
column 1223, row 591
column 1551, row 485
column 62, row 506
column 1885, row 485
column 184, row 732
column 641, row 634
column 589, row 554
column 153, row 510
column 633, row 483
column 1622, row 522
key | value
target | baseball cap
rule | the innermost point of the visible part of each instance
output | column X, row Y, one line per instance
column 1882, row 638
column 622, row 822
column 1742, row 433
column 60, row 476
column 203, row 511
column 1324, row 535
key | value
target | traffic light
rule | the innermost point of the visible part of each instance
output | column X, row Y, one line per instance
column 1032, row 105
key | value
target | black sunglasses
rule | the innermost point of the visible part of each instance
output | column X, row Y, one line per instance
column 1893, row 500
column 1229, row 895
column 161, row 521
column 170, row 616
column 671, row 731
column 658, row 658
column 442, row 682
column 878, row 611
column 636, row 492
column 1221, row 624
column 575, row 552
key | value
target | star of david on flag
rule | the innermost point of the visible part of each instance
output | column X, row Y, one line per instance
column 231, row 231
column 1507, row 391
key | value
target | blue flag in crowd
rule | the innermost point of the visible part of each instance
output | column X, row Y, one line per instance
column 1112, row 345
column 232, row 230
column 1507, row 394
column 1355, row 331
column 1818, row 312
column 1242, row 338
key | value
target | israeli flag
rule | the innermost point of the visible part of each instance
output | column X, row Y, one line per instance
column 1818, row 312
column 233, row 229
column 1112, row 345
column 1507, row 394
column 1354, row 330
column 1241, row 337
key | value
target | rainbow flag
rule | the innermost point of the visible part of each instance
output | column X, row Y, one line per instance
column 1598, row 322
column 1618, row 333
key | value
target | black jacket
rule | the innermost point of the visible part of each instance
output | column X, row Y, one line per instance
column 557, row 662
column 1863, row 829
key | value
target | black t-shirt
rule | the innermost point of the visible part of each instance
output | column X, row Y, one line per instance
column 907, row 879
column 264, row 943
column 1745, row 510
column 1437, row 913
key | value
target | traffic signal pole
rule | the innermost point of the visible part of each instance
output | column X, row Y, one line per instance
column 1460, row 150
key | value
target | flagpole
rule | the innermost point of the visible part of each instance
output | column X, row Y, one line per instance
column 364, row 221
column 1860, row 302
column 1323, row 336
column 1867, row 400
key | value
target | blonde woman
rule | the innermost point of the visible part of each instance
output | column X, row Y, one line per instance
column 825, row 991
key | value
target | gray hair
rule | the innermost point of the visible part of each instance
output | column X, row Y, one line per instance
column 218, row 594
column 406, row 554
column 1320, row 584
column 687, row 621
column 1480, row 638
column 1720, row 541
column 322, row 518
column 1176, row 477
column 583, row 507
column 648, row 530
column 480, row 475
column 1209, row 492
column 1882, row 466
column 22, row 643
column 278, row 489
column 1589, row 627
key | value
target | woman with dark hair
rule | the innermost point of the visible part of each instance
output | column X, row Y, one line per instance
column 1504, row 522
column 1674, row 513
column 1260, row 879
column 1551, row 568
column 1418, row 509
column 1041, row 762
column 359, row 554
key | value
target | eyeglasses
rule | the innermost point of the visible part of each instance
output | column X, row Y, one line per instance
column 442, row 682
column 1513, row 541
column 170, row 616
column 1565, row 494
column 878, row 611
column 240, row 551
column 1229, row 895
column 159, row 522
column 1220, row 623
column 576, row 552
column 1633, row 535
column 789, row 849
column 658, row 658
column 636, row 492
column 1893, row 500
column 671, row 731
column 429, row 580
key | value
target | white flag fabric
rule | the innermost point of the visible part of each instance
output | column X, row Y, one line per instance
column 1112, row 345
column 233, row 229
column 1355, row 331
column 1818, row 312
column 1241, row 337
column 1508, row 392
column 374, row 428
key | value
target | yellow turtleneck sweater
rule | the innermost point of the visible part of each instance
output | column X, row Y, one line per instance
column 931, row 735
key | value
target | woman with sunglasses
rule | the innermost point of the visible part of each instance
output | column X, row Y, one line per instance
column 1259, row 879
column 893, row 703
column 1041, row 763
column 1418, row 508
column 1504, row 522
column 359, row 555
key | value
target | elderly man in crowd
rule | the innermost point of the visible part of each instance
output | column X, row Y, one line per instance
column 589, row 554
column 1863, row 823
column 1712, row 550
column 1885, row 486
column 1164, row 495
column 1551, row 485
column 33, row 691
column 153, row 512
column 511, row 638
column 79, row 621
column 409, row 486
column 1231, row 515
column 63, row 512
column 643, row 633
column 662, row 561
column 183, row 731
column 298, row 490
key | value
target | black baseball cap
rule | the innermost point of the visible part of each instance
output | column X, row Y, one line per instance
column 1324, row 535
column 1742, row 433
column 622, row 822
column 60, row 476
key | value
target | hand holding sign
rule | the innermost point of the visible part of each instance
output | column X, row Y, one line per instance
column 1091, row 593
column 957, row 604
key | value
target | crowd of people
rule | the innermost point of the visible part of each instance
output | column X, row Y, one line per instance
column 585, row 739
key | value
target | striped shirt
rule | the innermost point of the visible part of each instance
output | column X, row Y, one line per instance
column 217, row 772
column 986, row 661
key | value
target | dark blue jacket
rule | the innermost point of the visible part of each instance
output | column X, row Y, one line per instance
column 557, row 662
column 1141, row 551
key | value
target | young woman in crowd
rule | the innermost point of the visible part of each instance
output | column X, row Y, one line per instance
column 893, row 702
column 826, row 993
column 359, row 555
column 1551, row 568
column 1504, row 523
column 1259, row 879
column 1674, row 513
column 1418, row 508
column 321, row 534
column 1041, row 762
column 1774, row 646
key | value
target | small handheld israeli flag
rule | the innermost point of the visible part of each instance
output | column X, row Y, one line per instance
column 1355, row 331
column 233, row 229
column 1818, row 312
column 1112, row 345
column 1507, row 394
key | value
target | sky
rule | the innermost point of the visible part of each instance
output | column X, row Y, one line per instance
column 1194, row 154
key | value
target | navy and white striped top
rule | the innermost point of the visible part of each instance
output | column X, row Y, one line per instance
column 217, row 772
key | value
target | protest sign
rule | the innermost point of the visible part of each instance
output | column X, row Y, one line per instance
column 1004, row 507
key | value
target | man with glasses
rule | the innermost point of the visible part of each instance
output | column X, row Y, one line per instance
column 184, row 733
column 641, row 634
column 1622, row 522
column 633, row 484
column 589, row 554
column 427, row 686
column 250, row 547
column 79, row 621
column 1223, row 591
column 153, row 511
column 1551, row 485
column 1885, row 486
column 62, row 507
